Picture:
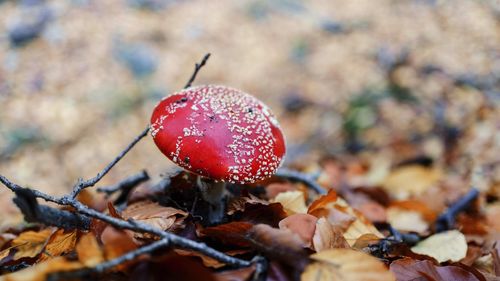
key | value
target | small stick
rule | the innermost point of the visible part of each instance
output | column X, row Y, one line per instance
column 135, row 226
column 197, row 68
column 81, row 185
column 446, row 220
column 125, row 186
column 296, row 176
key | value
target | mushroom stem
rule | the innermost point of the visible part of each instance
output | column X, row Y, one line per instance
column 214, row 193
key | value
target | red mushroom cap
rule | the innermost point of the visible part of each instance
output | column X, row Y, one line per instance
column 220, row 133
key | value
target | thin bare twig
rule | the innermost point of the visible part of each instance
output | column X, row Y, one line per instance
column 81, row 185
column 166, row 237
column 135, row 226
column 197, row 68
column 125, row 186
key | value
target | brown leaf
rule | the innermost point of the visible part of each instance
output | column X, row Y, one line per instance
column 40, row 271
column 206, row 260
column 28, row 244
column 239, row 204
column 280, row 244
column 232, row 233
column 407, row 269
column 117, row 242
column 270, row 214
column 345, row 265
column 339, row 213
column 303, row 225
column 113, row 212
column 328, row 236
column 372, row 211
column 293, row 202
column 59, row 244
column 164, row 218
column 88, row 250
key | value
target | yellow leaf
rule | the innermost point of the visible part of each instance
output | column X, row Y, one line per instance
column 40, row 271
column 411, row 180
column 88, row 250
column 406, row 220
column 293, row 202
column 345, row 265
column 445, row 246
column 29, row 244
column 59, row 244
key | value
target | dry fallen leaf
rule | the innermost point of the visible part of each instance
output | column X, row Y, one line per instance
column 328, row 236
column 28, row 244
column 60, row 243
column 445, row 246
column 293, row 202
column 345, row 265
column 117, row 242
column 232, row 233
column 406, row 220
column 239, row 203
column 338, row 212
column 88, row 250
column 410, row 180
column 40, row 271
column 152, row 213
column 280, row 244
column 408, row 269
column 303, row 225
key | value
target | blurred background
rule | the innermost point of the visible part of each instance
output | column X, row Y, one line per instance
column 382, row 81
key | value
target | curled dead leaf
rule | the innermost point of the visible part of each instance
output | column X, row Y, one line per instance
column 445, row 246
column 279, row 244
column 152, row 213
column 327, row 236
column 239, row 203
column 345, row 265
column 338, row 212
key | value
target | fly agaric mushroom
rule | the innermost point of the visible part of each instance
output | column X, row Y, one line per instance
column 219, row 133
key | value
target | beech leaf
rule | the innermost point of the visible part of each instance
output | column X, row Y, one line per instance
column 88, row 250
column 28, row 244
column 293, row 202
column 345, row 265
column 445, row 246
